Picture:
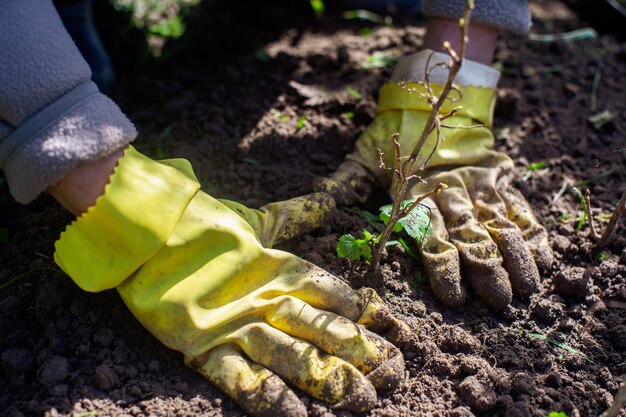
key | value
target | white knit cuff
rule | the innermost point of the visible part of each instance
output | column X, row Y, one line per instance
column 92, row 131
column 412, row 68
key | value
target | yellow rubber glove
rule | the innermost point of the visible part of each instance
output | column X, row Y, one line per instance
column 483, row 229
column 248, row 318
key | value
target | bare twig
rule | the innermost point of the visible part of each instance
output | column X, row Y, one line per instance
column 405, row 170
column 605, row 239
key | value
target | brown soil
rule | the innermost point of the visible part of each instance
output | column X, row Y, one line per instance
column 233, row 112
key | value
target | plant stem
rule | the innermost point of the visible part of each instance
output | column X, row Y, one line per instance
column 404, row 171
column 605, row 239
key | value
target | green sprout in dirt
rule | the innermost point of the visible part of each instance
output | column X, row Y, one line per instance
column 416, row 224
column 605, row 237
column 405, row 214
column 535, row 166
column 318, row 7
column 301, row 122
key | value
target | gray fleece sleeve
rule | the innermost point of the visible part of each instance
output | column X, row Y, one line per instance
column 51, row 116
column 505, row 15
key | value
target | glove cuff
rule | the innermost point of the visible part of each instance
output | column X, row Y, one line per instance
column 412, row 68
column 475, row 102
column 142, row 204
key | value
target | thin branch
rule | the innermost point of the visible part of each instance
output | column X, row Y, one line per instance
column 605, row 239
column 438, row 188
column 405, row 170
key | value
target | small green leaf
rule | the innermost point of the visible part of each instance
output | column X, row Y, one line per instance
column 352, row 248
column 171, row 28
column 535, row 166
column 557, row 414
column 417, row 223
column 552, row 342
column 407, row 248
column 349, row 115
column 354, row 93
column 301, row 122
column 318, row 7
column 582, row 219
column 602, row 256
column 365, row 31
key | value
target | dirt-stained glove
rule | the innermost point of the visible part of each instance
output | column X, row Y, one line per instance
column 483, row 229
column 248, row 318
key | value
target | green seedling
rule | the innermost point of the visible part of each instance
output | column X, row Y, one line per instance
column 318, row 7
column 353, row 92
column 557, row 343
column 171, row 28
column 365, row 31
column 557, row 414
column 361, row 14
column 553, row 342
column 582, row 219
column 602, row 256
column 379, row 60
column 348, row 115
column 301, row 122
column 400, row 241
column 355, row 249
column 540, row 165
column 416, row 224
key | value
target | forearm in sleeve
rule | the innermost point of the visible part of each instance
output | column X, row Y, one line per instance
column 52, row 117
column 504, row 15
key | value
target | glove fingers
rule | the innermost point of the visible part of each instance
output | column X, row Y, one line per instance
column 441, row 262
column 480, row 259
column 371, row 354
column 533, row 232
column 492, row 213
column 322, row 376
column 277, row 222
column 254, row 388
column 324, row 291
